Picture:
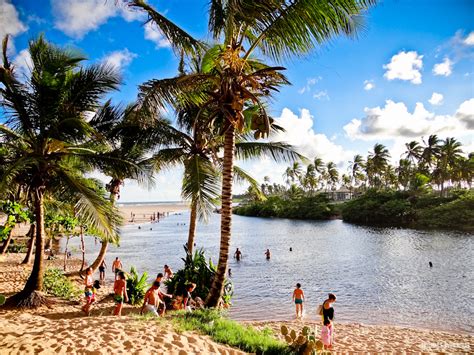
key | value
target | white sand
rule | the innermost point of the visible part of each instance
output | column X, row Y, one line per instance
column 143, row 212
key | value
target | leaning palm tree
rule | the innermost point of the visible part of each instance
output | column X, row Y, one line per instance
column 45, row 126
column 232, row 78
column 413, row 152
column 377, row 162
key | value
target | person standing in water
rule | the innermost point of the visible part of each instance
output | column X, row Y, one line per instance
column 268, row 254
column 298, row 298
column 238, row 254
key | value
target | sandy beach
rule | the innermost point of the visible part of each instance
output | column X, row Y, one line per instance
column 64, row 329
column 141, row 213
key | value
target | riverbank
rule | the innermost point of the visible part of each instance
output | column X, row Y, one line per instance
column 133, row 213
column 63, row 328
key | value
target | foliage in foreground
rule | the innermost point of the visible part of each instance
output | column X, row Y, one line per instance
column 199, row 270
column 402, row 208
column 226, row 331
column 136, row 286
column 56, row 284
column 314, row 207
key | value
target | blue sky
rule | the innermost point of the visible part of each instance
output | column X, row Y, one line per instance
column 407, row 75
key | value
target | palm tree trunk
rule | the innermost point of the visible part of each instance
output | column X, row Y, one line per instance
column 192, row 226
column 31, row 233
column 7, row 242
column 217, row 288
column 83, row 250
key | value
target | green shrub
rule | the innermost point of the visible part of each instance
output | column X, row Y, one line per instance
column 199, row 270
column 226, row 331
column 2, row 300
column 17, row 248
column 56, row 284
column 136, row 286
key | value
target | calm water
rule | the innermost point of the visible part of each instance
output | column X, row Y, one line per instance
column 380, row 275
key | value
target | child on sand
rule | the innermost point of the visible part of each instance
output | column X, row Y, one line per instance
column 88, row 291
column 326, row 334
column 152, row 300
column 120, row 293
column 298, row 298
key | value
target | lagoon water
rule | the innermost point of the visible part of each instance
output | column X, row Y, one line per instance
column 380, row 275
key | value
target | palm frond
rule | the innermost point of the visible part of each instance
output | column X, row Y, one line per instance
column 240, row 176
column 278, row 151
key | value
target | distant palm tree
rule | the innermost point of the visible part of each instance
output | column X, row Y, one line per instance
column 233, row 78
column 332, row 174
column 356, row 167
column 319, row 168
column 377, row 161
column 450, row 154
column 414, row 151
column 404, row 173
column 46, row 128
column 431, row 152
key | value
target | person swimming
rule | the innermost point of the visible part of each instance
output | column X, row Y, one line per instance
column 268, row 254
column 238, row 254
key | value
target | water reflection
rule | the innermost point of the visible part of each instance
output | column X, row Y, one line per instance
column 380, row 275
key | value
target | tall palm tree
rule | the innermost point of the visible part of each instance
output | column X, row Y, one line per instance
column 332, row 174
column 413, row 152
column 45, row 126
column 450, row 154
column 319, row 167
column 232, row 78
column 431, row 152
column 355, row 167
column 377, row 161
column 404, row 173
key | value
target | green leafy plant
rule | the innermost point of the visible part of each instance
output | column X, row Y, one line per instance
column 136, row 286
column 199, row 270
column 304, row 343
column 2, row 300
column 56, row 284
column 17, row 248
column 225, row 331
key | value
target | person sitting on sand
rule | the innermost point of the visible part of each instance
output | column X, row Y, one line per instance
column 238, row 254
column 268, row 254
column 298, row 298
column 88, row 291
column 120, row 293
column 152, row 300
column 117, row 266
column 326, row 334
column 102, row 267
column 187, row 297
column 168, row 272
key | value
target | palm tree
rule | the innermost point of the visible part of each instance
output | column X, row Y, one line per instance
column 355, row 167
column 45, row 127
column 332, row 174
column 319, row 167
column 232, row 78
column 404, row 173
column 431, row 152
column 413, row 152
column 377, row 161
column 450, row 154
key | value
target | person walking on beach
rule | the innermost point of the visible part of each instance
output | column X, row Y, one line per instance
column 117, row 266
column 152, row 300
column 267, row 254
column 328, row 313
column 120, row 293
column 298, row 298
column 238, row 254
column 88, row 291
column 102, row 267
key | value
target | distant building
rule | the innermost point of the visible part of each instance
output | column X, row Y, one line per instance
column 341, row 194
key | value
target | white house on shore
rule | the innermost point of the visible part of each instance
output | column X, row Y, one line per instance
column 341, row 194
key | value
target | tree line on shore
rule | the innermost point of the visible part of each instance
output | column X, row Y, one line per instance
column 58, row 126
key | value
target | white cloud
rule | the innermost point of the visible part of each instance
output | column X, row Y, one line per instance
column 10, row 22
column 469, row 40
column 300, row 133
column 405, row 66
column 445, row 68
column 394, row 121
column 23, row 63
column 120, row 59
column 154, row 34
column 321, row 95
column 369, row 85
column 76, row 18
column 436, row 99
column 310, row 82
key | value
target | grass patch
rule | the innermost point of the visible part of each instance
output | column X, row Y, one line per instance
column 226, row 331
column 56, row 284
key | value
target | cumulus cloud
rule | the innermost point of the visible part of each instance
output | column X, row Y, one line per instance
column 394, row 121
column 310, row 82
column 76, row 18
column 369, row 85
column 23, row 63
column 119, row 59
column 300, row 133
column 405, row 66
column 155, row 35
column 469, row 40
column 436, row 99
column 445, row 68
column 10, row 22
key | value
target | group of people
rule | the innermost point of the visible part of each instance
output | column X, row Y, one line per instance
column 154, row 301
column 325, row 310
column 238, row 254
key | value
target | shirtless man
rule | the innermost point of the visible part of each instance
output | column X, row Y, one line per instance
column 152, row 300
column 168, row 272
column 120, row 293
column 267, row 254
column 238, row 254
column 102, row 267
column 117, row 266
